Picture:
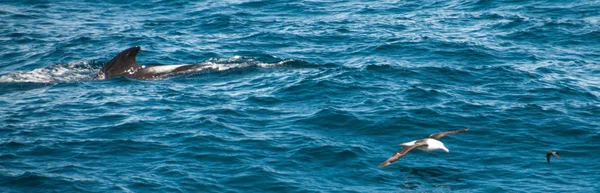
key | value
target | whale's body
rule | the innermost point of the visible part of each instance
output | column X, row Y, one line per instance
column 124, row 64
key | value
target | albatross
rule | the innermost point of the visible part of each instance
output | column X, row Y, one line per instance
column 550, row 153
column 429, row 143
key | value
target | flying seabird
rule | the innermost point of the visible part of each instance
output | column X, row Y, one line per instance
column 550, row 153
column 430, row 143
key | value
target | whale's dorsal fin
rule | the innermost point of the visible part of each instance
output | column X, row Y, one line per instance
column 123, row 64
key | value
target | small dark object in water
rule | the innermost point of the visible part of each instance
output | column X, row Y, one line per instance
column 549, row 153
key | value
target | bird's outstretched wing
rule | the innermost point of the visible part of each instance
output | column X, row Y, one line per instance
column 442, row 134
column 402, row 152
column 550, row 153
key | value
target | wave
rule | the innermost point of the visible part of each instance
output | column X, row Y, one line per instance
column 71, row 72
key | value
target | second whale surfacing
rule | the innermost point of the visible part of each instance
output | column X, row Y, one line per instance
column 124, row 64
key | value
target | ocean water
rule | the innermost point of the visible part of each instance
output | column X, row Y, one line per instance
column 300, row 96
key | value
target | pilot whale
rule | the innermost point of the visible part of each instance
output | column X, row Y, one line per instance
column 124, row 64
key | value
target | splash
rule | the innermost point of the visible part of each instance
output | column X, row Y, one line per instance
column 245, row 62
column 71, row 72
column 242, row 62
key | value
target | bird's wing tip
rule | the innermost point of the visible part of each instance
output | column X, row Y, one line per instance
column 383, row 164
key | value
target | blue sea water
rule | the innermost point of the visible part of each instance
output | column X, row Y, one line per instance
column 300, row 96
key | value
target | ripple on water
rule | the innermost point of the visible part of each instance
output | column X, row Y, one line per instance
column 299, row 96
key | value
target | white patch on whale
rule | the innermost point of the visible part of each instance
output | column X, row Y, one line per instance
column 162, row 69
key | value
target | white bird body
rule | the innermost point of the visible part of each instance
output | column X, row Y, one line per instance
column 432, row 145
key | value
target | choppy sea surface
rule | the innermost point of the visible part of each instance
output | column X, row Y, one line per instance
column 300, row 96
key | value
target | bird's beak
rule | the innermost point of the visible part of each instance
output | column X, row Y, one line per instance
column 446, row 150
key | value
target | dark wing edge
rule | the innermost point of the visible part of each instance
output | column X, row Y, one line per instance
column 401, row 153
column 442, row 134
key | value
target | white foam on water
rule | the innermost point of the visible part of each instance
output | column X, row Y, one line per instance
column 71, row 72
column 236, row 62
